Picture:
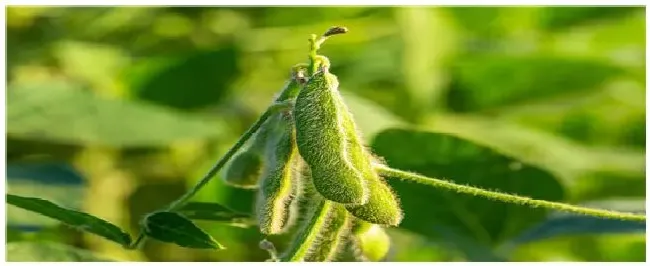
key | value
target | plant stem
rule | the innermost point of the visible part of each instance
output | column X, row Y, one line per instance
column 217, row 166
column 503, row 197
column 313, row 50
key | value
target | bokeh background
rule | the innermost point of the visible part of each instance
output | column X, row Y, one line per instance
column 118, row 110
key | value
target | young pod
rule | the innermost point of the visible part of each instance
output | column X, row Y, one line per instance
column 373, row 243
column 382, row 206
column 323, row 234
column 244, row 170
column 322, row 142
column 333, row 236
column 276, row 207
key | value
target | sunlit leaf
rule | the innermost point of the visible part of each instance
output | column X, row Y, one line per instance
column 63, row 113
column 175, row 228
column 214, row 212
column 436, row 213
column 482, row 82
column 76, row 219
column 54, row 181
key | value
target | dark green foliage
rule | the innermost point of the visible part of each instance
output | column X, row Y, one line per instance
column 76, row 219
column 174, row 228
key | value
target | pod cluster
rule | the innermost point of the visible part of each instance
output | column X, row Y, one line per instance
column 312, row 172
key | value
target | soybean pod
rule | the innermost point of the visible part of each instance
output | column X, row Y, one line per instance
column 276, row 207
column 321, row 140
column 382, row 206
column 371, row 241
column 323, row 234
column 245, row 168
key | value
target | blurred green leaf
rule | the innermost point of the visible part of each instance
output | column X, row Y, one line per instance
column 491, row 81
column 54, row 181
column 175, row 228
column 63, row 113
column 576, row 225
column 13, row 235
column 78, row 220
column 186, row 82
column 478, row 20
column 607, row 184
column 91, row 62
column 49, row 252
column 562, row 156
column 558, row 18
column 45, row 172
column 214, row 212
column 370, row 117
column 431, row 212
column 467, row 246
column 562, row 226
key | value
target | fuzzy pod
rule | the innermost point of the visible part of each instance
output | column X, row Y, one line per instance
column 373, row 244
column 333, row 237
column 322, row 235
column 322, row 142
column 276, row 207
column 244, row 170
column 383, row 206
column 360, row 226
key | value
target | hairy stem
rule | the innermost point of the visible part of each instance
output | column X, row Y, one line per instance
column 508, row 198
column 218, row 165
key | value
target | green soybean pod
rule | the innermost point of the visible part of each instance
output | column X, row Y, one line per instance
column 244, row 170
column 322, row 235
column 333, row 236
column 373, row 243
column 382, row 206
column 276, row 206
column 322, row 142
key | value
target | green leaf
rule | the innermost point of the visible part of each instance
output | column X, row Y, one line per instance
column 53, row 181
column 542, row 149
column 79, row 220
column 175, row 228
column 558, row 18
column 576, row 225
column 215, row 212
column 63, row 113
column 431, row 212
column 471, row 249
column 607, row 184
column 561, row 225
column 370, row 117
column 49, row 252
column 187, row 82
column 490, row 81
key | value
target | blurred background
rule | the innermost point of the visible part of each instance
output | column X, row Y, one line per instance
column 117, row 111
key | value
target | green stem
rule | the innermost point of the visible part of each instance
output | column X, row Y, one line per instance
column 217, row 166
column 313, row 50
column 420, row 179
column 314, row 46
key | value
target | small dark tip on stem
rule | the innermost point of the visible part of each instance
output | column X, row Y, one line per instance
column 335, row 30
